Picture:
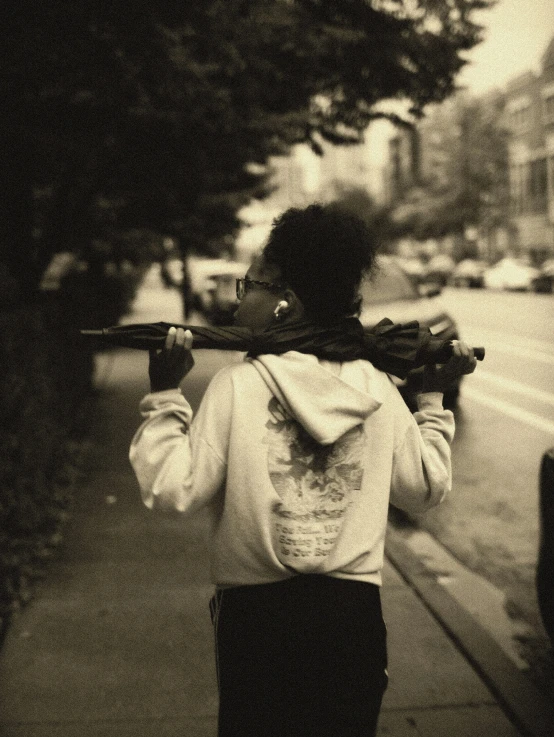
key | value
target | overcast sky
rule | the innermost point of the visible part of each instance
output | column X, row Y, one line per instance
column 516, row 34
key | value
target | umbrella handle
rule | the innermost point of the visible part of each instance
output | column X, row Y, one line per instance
column 441, row 353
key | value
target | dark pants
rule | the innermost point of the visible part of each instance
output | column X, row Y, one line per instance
column 302, row 657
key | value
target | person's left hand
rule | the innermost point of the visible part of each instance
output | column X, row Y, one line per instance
column 169, row 366
column 462, row 361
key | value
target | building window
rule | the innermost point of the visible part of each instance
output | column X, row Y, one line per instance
column 521, row 119
column 519, row 110
column 529, row 187
column 538, row 178
column 548, row 109
column 513, row 190
column 538, row 185
column 547, row 94
column 519, row 186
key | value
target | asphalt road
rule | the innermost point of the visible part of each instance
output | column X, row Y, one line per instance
column 505, row 422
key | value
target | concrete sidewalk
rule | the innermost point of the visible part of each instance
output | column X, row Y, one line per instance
column 118, row 641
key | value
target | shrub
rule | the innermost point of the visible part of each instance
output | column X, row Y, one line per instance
column 45, row 394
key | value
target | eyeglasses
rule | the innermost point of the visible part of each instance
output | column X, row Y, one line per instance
column 244, row 285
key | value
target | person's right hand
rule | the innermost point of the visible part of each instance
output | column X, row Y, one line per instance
column 171, row 364
column 440, row 379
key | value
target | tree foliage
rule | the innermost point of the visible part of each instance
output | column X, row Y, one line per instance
column 123, row 116
column 464, row 179
column 376, row 216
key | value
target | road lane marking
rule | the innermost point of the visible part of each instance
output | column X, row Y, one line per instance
column 507, row 408
column 526, row 353
column 516, row 386
column 516, row 345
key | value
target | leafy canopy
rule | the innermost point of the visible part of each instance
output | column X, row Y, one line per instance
column 151, row 115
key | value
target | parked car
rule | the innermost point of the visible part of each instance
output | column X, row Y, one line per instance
column 413, row 267
column 545, row 280
column 439, row 269
column 60, row 265
column 209, row 285
column 548, row 267
column 545, row 566
column 220, row 298
column 469, row 273
column 392, row 293
column 511, row 274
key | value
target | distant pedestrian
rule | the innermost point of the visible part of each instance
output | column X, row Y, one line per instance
column 297, row 459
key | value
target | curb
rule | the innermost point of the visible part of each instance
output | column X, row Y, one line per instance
column 526, row 706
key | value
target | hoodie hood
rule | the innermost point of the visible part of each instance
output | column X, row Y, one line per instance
column 328, row 399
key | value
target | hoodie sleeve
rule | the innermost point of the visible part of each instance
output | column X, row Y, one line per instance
column 180, row 463
column 421, row 473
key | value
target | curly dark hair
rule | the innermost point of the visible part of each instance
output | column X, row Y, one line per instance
column 323, row 252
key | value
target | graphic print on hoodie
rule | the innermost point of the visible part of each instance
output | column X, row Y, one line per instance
column 315, row 483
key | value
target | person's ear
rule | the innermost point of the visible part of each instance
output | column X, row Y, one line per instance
column 290, row 305
column 281, row 309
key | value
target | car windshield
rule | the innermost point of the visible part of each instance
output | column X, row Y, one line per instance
column 389, row 284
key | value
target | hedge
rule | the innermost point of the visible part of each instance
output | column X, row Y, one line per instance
column 45, row 394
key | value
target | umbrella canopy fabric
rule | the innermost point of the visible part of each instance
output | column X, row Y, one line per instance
column 391, row 347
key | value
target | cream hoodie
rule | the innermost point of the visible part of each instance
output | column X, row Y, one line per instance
column 296, row 459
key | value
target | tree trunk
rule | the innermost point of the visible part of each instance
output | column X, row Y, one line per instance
column 18, row 245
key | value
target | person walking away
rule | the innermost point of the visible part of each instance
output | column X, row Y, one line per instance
column 297, row 459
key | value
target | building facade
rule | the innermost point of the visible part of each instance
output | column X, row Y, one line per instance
column 530, row 121
column 527, row 228
column 403, row 170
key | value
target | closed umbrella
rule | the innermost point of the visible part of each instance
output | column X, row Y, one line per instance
column 392, row 347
